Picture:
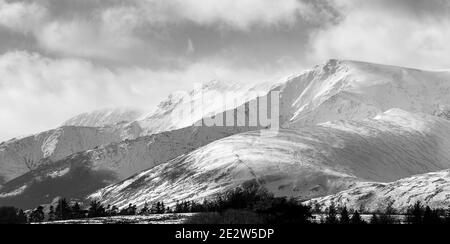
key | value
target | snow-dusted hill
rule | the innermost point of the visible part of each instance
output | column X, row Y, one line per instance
column 432, row 189
column 106, row 117
column 83, row 173
column 19, row 156
column 306, row 163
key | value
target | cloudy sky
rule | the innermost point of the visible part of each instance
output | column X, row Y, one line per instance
column 59, row 58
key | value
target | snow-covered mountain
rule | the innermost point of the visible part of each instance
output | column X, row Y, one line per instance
column 306, row 163
column 105, row 117
column 432, row 189
column 83, row 173
column 348, row 90
column 337, row 90
column 19, row 156
column 356, row 90
column 184, row 109
column 331, row 91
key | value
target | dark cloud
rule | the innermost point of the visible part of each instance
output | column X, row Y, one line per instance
column 420, row 8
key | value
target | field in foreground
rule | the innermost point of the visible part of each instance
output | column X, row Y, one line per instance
column 172, row 219
column 150, row 219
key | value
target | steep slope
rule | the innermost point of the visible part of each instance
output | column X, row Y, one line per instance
column 19, row 156
column 348, row 90
column 357, row 90
column 430, row 189
column 104, row 117
column 336, row 90
column 184, row 109
column 22, row 155
column 83, row 173
column 306, row 163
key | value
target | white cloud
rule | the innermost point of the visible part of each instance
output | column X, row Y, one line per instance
column 21, row 17
column 237, row 13
column 110, row 32
column 391, row 37
column 80, row 38
column 107, row 34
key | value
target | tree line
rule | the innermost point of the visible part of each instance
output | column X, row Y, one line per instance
column 416, row 214
column 249, row 204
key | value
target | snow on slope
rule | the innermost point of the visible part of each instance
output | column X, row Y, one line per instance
column 104, row 117
column 356, row 90
column 348, row 90
column 208, row 100
column 308, row 162
column 86, row 172
column 336, row 90
column 19, row 156
column 430, row 189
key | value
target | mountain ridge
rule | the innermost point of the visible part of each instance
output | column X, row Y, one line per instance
column 306, row 163
column 19, row 156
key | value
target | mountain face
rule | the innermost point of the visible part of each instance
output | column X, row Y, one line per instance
column 306, row 163
column 184, row 109
column 19, row 156
column 430, row 189
column 352, row 90
column 105, row 117
column 81, row 174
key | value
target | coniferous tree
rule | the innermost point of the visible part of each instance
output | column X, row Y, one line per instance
column 129, row 211
column 37, row 216
column 447, row 217
column 52, row 214
column 317, row 208
column 96, row 210
column 374, row 220
column 77, row 212
column 345, row 218
column 431, row 217
column 186, row 207
column 332, row 215
column 145, row 210
column 112, row 211
column 387, row 217
column 63, row 210
column 415, row 214
column 158, row 208
column 21, row 217
column 356, row 219
column 178, row 207
column 132, row 209
column 163, row 208
column 198, row 208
